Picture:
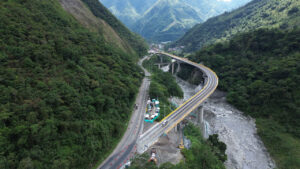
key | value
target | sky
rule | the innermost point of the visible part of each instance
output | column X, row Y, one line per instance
column 225, row 0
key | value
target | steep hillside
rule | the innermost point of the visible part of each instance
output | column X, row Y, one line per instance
column 81, row 12
column 166, row 21
column 66, row 90
column 260, row 71
column 135, row 41
column 283, row 14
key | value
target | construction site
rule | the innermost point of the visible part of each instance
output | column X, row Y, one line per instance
column 168, row 147
column 152, row 110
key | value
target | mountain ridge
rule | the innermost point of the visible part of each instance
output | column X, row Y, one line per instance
column 202, row 9
column 166, row 21
column 256, row 14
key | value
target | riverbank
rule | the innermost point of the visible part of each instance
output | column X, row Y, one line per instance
column 245, row 150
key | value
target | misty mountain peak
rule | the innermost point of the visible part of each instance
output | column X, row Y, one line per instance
column 167, row 20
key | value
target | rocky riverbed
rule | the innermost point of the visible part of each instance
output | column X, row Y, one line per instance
column 245, row 150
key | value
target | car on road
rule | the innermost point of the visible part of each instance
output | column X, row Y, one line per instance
column 164, row 123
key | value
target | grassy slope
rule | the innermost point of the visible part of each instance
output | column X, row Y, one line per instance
column 135, row 41
column 257, row 14
column 65, row 92
column 83, row 14
column 260, row 71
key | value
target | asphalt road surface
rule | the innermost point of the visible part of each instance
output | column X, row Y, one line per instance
column 133, row 140
column 127, row 146
column 151, row 136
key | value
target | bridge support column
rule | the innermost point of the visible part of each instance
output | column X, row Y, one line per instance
column 201, row 122
column 200, row 115
column 173, row 68
column 205, row 79
column 178, row 66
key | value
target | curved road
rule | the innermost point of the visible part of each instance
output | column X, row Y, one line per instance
column 152, row 135
column 127, row 146
column 133, row 141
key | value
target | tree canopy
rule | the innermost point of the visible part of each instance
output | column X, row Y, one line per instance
column 260, row 71
column 66, row 93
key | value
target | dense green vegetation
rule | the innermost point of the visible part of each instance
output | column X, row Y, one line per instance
column 140, row 161
column 128, row 11
column 260, row 71
column 188, row 73
column 65, row 92
column 135, row 41
column 163, row 86
column 167, row 20
column 202, row 154
column 283, row 14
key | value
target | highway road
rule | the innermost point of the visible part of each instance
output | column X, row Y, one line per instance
column 133, row 140
column 127, row 146
column 152, row 135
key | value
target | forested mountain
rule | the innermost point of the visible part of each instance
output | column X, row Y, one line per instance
column 168, row 20
column 260, row 71
column 134, row 40
column 165, row 20
column 210, row 8
column 68, row 79
column 283, row 14
column 128, row 11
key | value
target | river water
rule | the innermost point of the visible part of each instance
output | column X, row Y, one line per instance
column 245, row 150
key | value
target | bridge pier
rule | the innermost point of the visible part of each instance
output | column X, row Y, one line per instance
column 159, row 65
column 173, row 68
column 200, row 120
column 177, row 127
column 205, row 79
column 178, row 66
column 200, row 114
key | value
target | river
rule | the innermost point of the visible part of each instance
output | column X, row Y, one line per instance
column 245, row 150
